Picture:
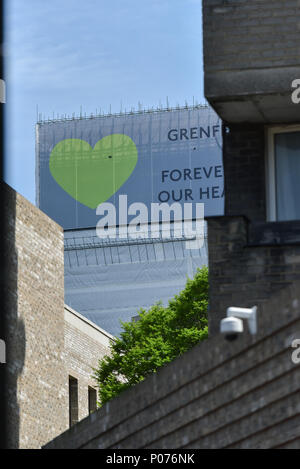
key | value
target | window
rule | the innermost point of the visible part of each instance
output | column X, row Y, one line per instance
column 283, row 173
column 92, row 400
column 73, row 401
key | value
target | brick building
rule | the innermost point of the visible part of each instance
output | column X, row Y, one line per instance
column 251, row 58
column 84, row 344
column 50, row 349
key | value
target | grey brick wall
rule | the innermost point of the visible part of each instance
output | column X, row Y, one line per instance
column 243, row 34
column 218, row 395
column 241, row 274
column 249, row 259
column 244, row 171
column 251, row 56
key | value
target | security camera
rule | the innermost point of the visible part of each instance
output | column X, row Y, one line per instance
column 232, row 325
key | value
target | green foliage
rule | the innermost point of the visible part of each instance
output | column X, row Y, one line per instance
column 160, row 335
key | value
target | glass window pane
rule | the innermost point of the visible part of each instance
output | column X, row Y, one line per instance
column 92, row 396
column 73, row 401
column 287, row 167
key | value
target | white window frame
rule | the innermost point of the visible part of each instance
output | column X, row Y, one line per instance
column 270, row 167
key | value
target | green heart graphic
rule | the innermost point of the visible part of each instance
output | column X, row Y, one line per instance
column 89, row 175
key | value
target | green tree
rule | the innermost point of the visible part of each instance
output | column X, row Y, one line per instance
column 160, row 335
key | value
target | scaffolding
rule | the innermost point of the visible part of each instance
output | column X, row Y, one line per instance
column 40, row 120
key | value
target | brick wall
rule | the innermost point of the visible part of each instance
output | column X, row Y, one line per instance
column 244, row 171
column 249, row 259
column 37, row 394
column 243, row 394
column 243, row 274
column 85, row 345
column 243, row 34
column 46, row 342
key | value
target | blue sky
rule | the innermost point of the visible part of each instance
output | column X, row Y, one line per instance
column 64, row 54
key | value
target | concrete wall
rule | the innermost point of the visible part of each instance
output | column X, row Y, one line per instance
column 46, row 342
column 243, row 394
column 251, row 57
